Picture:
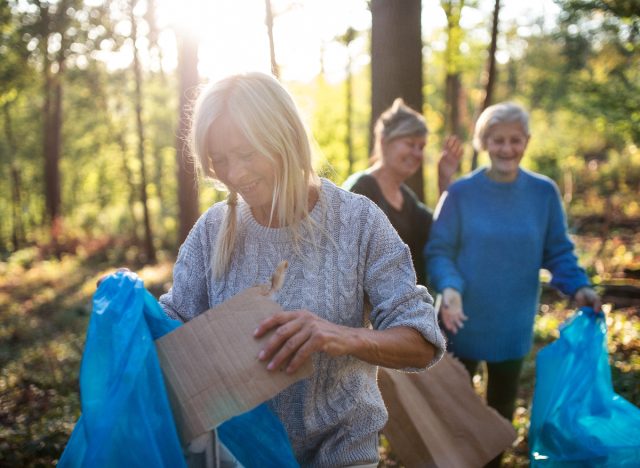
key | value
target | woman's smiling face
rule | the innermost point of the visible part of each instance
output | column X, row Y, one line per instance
column 506, row 143
column 242, row 168
column 404, row 154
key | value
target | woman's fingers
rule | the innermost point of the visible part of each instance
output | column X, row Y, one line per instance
column 284, row 324
column 287, row 352
column 453, row 321
column 452, row 314
column 297, row 335
column 102, row 278
column 587, row 296
column 303, row 353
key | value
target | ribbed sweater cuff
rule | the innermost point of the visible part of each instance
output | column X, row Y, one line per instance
column 455, row 283
column 360, row 452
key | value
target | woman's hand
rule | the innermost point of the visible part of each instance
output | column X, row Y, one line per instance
column 586, row 296
column 451, row 310
column 103, row 277
column 299, row 334
column 449, row 161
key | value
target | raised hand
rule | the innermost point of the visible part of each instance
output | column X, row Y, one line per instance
column 449, row 162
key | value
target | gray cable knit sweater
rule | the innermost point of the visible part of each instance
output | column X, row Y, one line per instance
column 333, row 417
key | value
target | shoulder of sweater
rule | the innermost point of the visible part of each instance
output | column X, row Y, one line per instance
column 541, row 183
column 354, row 204
column 467, row 182
column 538, row 178
column 209, row 221
column 215, row 213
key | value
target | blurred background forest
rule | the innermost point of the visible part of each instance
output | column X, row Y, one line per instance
column 94, row 172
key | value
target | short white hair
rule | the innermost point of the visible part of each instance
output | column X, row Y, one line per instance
column 503, row 112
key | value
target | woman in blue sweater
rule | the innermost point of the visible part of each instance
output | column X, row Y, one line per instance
column 493, row 231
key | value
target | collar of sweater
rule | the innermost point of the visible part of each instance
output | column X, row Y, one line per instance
column 281, row 234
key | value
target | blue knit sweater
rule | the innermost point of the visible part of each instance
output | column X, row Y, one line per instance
column 489, row 241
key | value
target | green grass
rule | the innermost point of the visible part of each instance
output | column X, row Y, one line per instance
column 44, row 311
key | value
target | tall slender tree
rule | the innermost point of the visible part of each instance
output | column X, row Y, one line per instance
column 396, row 61
column 491, row 72
column 17, row 230
column 149, row 248
column 14, row 73
column 62, row 31
column 187, row 181
column 346, row 39
column 275, row 68
column 453, row 83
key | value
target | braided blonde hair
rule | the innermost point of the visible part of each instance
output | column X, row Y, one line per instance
column 264, row 112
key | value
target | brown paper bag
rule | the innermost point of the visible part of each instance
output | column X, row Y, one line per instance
column 437, row 420
column 211, row 367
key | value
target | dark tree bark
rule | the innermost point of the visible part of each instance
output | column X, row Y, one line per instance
column 491, row 60
column 491, row 72
column 187, row 182
column 346, row 39
column 52, row 127
column 453, row 88
column 275, row 69
column 396, row 61
column 17, row 228
column 149, row 249
column 453, row 84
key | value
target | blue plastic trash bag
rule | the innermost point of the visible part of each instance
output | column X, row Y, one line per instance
column 258, row 440
column 576, row 418
column 126, row 419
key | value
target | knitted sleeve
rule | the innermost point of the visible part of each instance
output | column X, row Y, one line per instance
column 559, row 257
column 390, row 284
column 442, row 248
column 188, row 295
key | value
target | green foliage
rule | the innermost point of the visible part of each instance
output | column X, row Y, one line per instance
column 326, row 117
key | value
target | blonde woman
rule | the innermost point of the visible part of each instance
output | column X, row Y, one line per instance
column 248, row 135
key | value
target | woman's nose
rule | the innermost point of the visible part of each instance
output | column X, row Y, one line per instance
column 236, row 170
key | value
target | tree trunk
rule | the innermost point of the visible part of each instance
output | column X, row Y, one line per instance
column 17, row 229
column 396, row 62
column 349, row 99
column 346, row 39
column 120, row 139
column 275, row 69
column 52, row 121
column 453, row 84
column 491, row 73
column 148, row 234
column 187, row 182
column 491, row 67
column 453, row 89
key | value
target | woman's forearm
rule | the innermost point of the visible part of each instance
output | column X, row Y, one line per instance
column 396, row 348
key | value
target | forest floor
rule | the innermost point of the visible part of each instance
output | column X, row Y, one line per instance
column 45, row 305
